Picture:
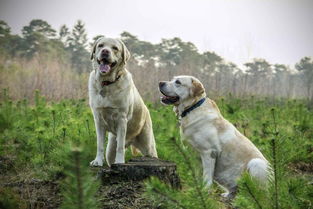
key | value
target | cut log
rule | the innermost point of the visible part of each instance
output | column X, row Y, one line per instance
column 139, row 169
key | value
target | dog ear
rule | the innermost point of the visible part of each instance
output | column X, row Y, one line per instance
column 125, row 52
column 92, row 54
column 197, row 87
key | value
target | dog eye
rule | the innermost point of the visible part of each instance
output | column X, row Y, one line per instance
column 178, row 82
column 115, row 48
column 100, row 45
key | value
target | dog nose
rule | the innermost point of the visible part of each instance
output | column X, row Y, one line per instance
column 161, row 84
column 105, row 52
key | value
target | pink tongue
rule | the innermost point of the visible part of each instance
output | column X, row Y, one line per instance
column 104, row 68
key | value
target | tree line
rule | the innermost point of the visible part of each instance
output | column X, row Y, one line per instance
column 65, row 52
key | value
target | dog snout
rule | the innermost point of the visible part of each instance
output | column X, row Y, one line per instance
column 105, row 52
column 161, row 84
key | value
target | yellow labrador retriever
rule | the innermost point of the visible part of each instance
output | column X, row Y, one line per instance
column 116, row 104
column 224, row 151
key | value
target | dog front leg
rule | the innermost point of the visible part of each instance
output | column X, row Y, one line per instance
column 120, row 139
column 100, row 130
column 208, row 159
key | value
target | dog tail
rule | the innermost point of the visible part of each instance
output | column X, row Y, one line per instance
column 135, row 151
column 259, row 169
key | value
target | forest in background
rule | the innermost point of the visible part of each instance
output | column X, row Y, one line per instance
column 56, row 62
column 48, row 125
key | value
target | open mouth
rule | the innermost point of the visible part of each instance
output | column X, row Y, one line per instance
column 105, row 65
column 168, row 99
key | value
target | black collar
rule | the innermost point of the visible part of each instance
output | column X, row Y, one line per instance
column 198, row 104
column 106, row 83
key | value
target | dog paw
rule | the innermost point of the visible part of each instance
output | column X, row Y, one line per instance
column 96, row 162
column 225, row 195
column 228, row 196
column 117, row 161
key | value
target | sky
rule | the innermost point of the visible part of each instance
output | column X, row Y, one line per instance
column 279, row 31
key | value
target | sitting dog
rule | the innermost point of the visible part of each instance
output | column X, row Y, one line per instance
column 116, row 104
column 224, row 151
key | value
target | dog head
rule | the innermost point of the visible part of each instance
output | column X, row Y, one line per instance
column 108, row 54
column 181, row 89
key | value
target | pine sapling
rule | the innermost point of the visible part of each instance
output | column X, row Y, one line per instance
column 53, row 119
column 193, row 174
column 79, row 188
column 274, row 154
column 194, row 195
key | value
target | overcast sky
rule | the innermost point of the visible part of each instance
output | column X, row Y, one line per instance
column 281, row 31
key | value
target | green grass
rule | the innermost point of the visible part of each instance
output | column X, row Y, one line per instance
column 35, row 136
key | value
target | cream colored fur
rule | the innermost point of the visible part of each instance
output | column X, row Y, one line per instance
column 117, row 108
column 224, row 151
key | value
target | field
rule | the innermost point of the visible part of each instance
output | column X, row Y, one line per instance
column 43, row 145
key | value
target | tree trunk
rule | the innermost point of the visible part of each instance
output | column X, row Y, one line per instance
column 139, row 169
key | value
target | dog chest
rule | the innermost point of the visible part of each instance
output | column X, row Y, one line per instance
column 200, row 137
column 104, row 99
column 111, row 118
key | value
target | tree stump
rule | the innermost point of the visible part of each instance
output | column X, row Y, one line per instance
column 139, row 169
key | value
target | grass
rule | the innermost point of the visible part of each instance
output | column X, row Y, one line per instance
column 34, row 136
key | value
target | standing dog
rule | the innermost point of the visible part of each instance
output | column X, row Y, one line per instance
column 224, row 151
column 116, row 104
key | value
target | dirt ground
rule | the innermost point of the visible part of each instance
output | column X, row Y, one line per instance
column 46, row 195
column 39, row 194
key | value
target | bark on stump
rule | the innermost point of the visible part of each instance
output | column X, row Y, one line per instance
column 139, row 169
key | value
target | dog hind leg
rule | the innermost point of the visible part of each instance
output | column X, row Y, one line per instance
column 145, row 141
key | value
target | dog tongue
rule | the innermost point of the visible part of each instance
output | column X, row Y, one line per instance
column 104, row 68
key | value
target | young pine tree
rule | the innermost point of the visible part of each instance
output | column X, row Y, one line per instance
column 284, row 190
column 194, row 194
column 78, row 188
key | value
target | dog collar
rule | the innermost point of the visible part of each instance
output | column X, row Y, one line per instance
column 106, row 83
column 198, row 104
